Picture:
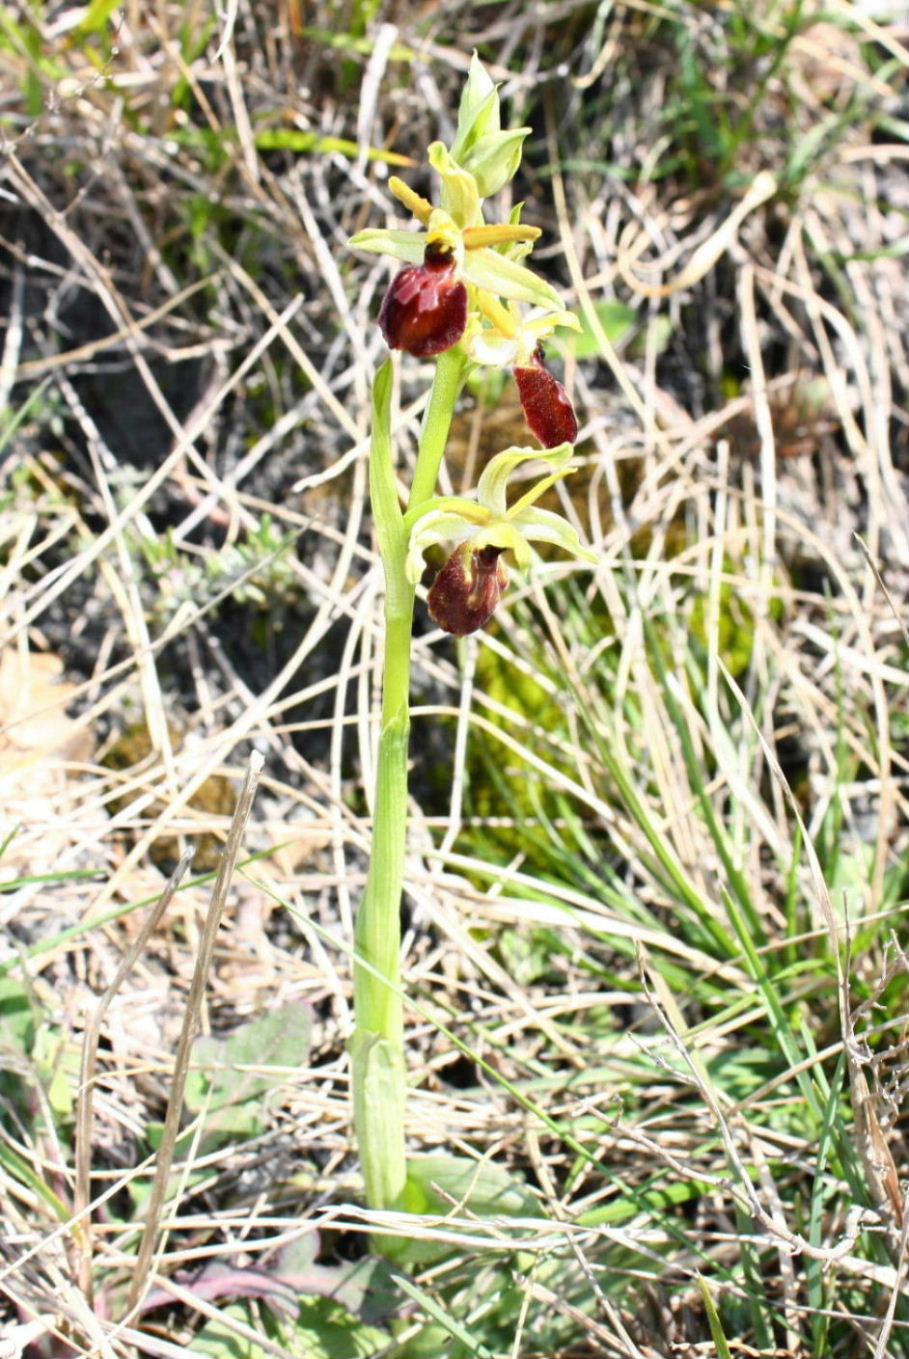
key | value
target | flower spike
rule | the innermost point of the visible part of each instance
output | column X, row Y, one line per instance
column 457, row 260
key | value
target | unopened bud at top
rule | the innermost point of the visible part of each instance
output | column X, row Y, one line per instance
column 480, row 146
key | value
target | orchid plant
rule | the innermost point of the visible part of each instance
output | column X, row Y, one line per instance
column 466, row 298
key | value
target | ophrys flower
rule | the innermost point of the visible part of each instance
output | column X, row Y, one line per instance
column 470, row 584
column 427, row 303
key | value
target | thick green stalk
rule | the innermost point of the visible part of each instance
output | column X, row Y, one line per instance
column 378, row 1071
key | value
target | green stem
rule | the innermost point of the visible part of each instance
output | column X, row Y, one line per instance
column 446, row 389
column 378, row 1071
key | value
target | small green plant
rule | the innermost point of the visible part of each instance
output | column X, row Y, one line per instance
column 256, row 571
column 461, row 299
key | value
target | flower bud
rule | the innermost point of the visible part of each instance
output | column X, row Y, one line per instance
column 481, row 147
column 464, row 595
column 547, row 409
column 425, row 309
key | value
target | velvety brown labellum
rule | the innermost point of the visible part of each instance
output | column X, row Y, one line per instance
column 425, row 309
column 547, row 409
column 464, row 595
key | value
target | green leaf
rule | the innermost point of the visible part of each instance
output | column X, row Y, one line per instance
column 227, row 1076
column 347, row 42
column 616, row 318
column 657, row 333
column 446, row 1324
column 435, row 1182
column 220, row 1340
column 445, row 1185
column 363, row 1286
column 56, row 1058
column 17, row 1020
column 379, row 1092
column 322, row 1330
column 18, row 1169
column 295, row 139
column 327, row 1330
column 713, row 1317
column 98, row 15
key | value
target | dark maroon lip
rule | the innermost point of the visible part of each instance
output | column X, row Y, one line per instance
column 424, row 311
column 466, row 592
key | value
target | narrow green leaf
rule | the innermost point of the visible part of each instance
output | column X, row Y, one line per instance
column 97, row 15
column 438, row 1313
column 713, row 1317
column 294, row 139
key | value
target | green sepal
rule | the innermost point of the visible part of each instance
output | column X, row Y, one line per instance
column 408, row 246
column 492, row 488
column 504, row 277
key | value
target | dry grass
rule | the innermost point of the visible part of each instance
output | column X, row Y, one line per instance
column 627, row 967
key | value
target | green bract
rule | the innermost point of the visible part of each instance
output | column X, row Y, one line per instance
column 487, row 521
column 478, row 112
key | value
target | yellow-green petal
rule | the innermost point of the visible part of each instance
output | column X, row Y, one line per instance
column 460, row 195
column 452, row 523
column 538, row 489
column 492, row 488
